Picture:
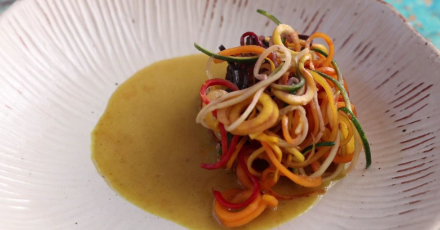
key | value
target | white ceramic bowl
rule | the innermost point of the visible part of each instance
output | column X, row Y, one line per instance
column 61, row 60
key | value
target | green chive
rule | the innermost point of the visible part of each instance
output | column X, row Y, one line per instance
column 317, row 145
column 270, row 16
column 361, row 133
column 227, row 58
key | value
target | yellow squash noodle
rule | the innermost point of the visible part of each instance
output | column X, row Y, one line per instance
column 310, row 83
column 264, row 120
column 286, row 29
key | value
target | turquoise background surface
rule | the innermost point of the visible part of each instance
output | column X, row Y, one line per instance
column 424, row 15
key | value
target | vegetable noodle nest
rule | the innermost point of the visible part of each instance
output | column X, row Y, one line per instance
column 283, row 110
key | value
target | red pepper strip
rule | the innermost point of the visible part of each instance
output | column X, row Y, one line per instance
column 253, row 35
column 215, row 81
column 255, row 192
column 224, row 136
column 225, row 158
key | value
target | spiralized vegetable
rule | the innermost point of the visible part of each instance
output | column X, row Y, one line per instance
column 292, row 119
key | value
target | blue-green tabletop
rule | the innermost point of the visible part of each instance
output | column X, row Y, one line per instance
column 424, row 15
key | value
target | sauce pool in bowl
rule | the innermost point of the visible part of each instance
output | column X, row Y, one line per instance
column 148, row 148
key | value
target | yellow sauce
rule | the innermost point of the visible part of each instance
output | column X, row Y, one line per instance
column 148, row 148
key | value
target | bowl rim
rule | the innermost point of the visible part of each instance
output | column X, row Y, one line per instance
column 8, row 12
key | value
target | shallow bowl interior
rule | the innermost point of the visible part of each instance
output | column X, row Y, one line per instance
column 61, row 60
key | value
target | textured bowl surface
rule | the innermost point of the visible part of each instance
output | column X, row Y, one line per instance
column 61, row 60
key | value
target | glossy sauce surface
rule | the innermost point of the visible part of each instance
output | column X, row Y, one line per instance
column 148, row 148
